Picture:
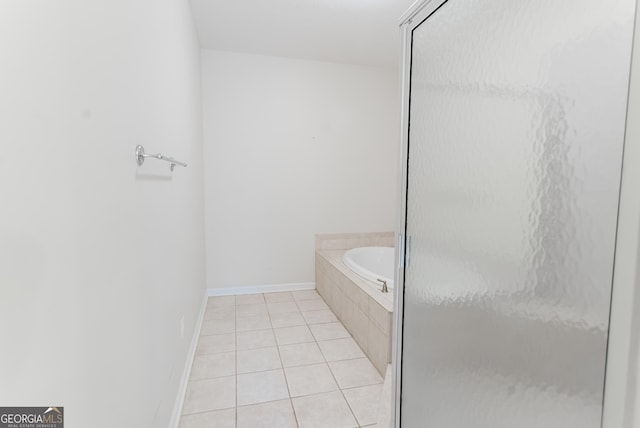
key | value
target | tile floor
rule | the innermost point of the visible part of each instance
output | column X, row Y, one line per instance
column 278, row 360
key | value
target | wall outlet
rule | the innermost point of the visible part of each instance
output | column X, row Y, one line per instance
column 182, row 327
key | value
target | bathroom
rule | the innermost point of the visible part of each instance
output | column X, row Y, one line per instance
column 289, row 117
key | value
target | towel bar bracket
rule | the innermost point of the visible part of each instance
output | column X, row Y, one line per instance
column 141, row 155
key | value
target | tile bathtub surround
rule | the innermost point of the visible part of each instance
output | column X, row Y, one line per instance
column 345, row 241
column 278, row 360
column 365, row 312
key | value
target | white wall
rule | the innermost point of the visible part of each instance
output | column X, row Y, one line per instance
column 99, row 259
column 292, row 148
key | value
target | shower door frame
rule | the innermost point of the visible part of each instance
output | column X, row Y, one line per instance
column 623, row 350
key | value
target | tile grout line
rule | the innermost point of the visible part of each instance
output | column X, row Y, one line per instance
column 271, row 329
column 322, row 353
column 284, row 372
column 336, row 380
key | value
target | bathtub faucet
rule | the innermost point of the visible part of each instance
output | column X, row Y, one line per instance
column 384, row 285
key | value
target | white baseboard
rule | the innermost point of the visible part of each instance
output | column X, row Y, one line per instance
column 184, row 381
column 255, row 289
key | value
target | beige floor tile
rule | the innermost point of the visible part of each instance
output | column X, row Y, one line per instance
column 282, row 307
column 213, row 365
column 340, row 349
column 328, row 410
column 255, row 339
column 251, row 309
column 278, row 297
column 276, row 414
column 218, row 301
column 249, row 299
column 216, row 343
column 253, row 322
column 218, row 327
column 305, row 295
column 255, row 360
column 333, row 330
column 220, row 313
column 354, row 373
column 307, row 380
column 289, row 335
column 365, row 402
column 300, row 354
column 261, row 387
column 318, row 317
column 312, row 305
column 385, row 413
column 287, row 319
column 218, row 419
column 210, row 394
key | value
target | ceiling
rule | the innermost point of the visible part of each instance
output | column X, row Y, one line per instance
column 362, row 32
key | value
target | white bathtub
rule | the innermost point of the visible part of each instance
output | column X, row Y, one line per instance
column 372, row 263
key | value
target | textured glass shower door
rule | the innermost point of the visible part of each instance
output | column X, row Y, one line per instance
column 516, row 129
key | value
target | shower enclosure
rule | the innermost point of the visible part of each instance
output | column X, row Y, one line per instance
column 514, row 124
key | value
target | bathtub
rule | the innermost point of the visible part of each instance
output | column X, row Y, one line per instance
column 372, row 263
column 358, row 302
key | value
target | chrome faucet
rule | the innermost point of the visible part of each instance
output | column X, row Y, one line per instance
column 384, row 285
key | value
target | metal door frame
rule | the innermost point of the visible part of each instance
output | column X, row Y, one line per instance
column 417, row 13
column 623, row 352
